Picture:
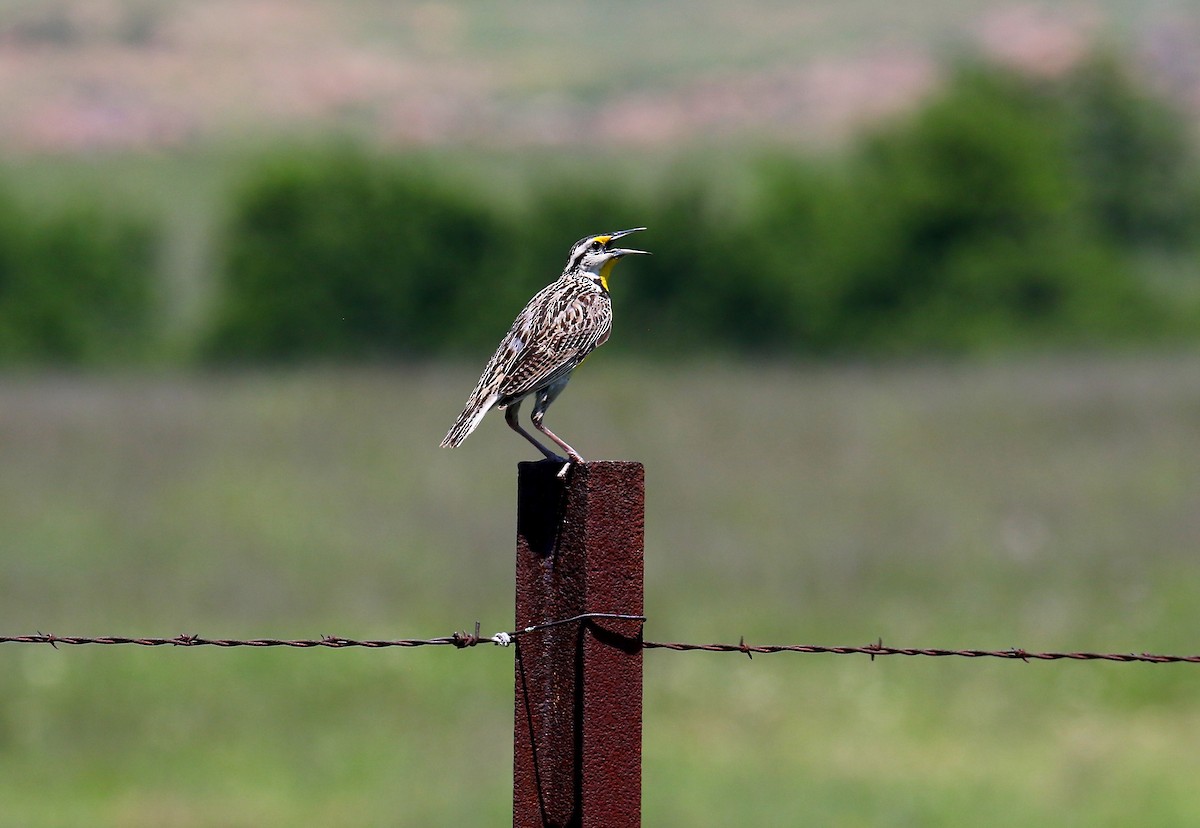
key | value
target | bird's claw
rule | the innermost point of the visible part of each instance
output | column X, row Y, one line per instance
column 567, row 463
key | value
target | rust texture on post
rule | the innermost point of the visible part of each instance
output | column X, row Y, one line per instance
column 577, row 757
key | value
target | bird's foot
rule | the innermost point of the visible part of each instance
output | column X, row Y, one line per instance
column 574, row 458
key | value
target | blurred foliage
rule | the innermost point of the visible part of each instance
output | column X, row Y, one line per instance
column 1005, row 212
column 1134, row 156
column 964, row 227
column 75, row 288
column 340, row 257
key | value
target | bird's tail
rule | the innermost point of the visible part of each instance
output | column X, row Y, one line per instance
column 468, row 420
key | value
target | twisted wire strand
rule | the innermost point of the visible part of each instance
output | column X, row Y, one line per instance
column 464, row 640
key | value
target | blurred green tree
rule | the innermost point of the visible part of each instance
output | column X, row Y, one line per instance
column 1006, row 211
column 1135, row 156
column 348, row 256
column 77, row 288
column 962, row 226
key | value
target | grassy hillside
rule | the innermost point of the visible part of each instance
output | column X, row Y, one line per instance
column 144, row 75
column 1048, row 505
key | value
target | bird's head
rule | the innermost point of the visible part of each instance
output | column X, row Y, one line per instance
column 594, row 256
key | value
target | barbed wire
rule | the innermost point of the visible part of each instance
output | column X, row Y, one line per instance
column 464, row 640
column 458, row 639
column 878, row 649
column 461, row 640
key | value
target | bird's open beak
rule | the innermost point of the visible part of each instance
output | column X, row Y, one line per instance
column 621, row 251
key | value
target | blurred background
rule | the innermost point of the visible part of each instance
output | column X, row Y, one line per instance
column 915, row 358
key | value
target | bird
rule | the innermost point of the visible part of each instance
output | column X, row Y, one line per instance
column 563, row 323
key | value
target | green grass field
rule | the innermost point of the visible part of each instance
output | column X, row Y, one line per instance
column 1049, row 504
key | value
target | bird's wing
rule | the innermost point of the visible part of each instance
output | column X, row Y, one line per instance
column 550, row 338
column 555, row 331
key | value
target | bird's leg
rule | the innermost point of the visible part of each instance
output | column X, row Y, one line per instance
column 510, row 417
column 544, row 398
column 571, row 453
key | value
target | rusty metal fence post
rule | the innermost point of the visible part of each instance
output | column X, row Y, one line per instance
column 577, row 749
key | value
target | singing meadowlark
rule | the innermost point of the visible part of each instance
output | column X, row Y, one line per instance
column 560, row 326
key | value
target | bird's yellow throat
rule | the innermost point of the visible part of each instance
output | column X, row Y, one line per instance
column 606, row 269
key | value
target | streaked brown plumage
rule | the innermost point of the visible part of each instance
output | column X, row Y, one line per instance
column 557, row 329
